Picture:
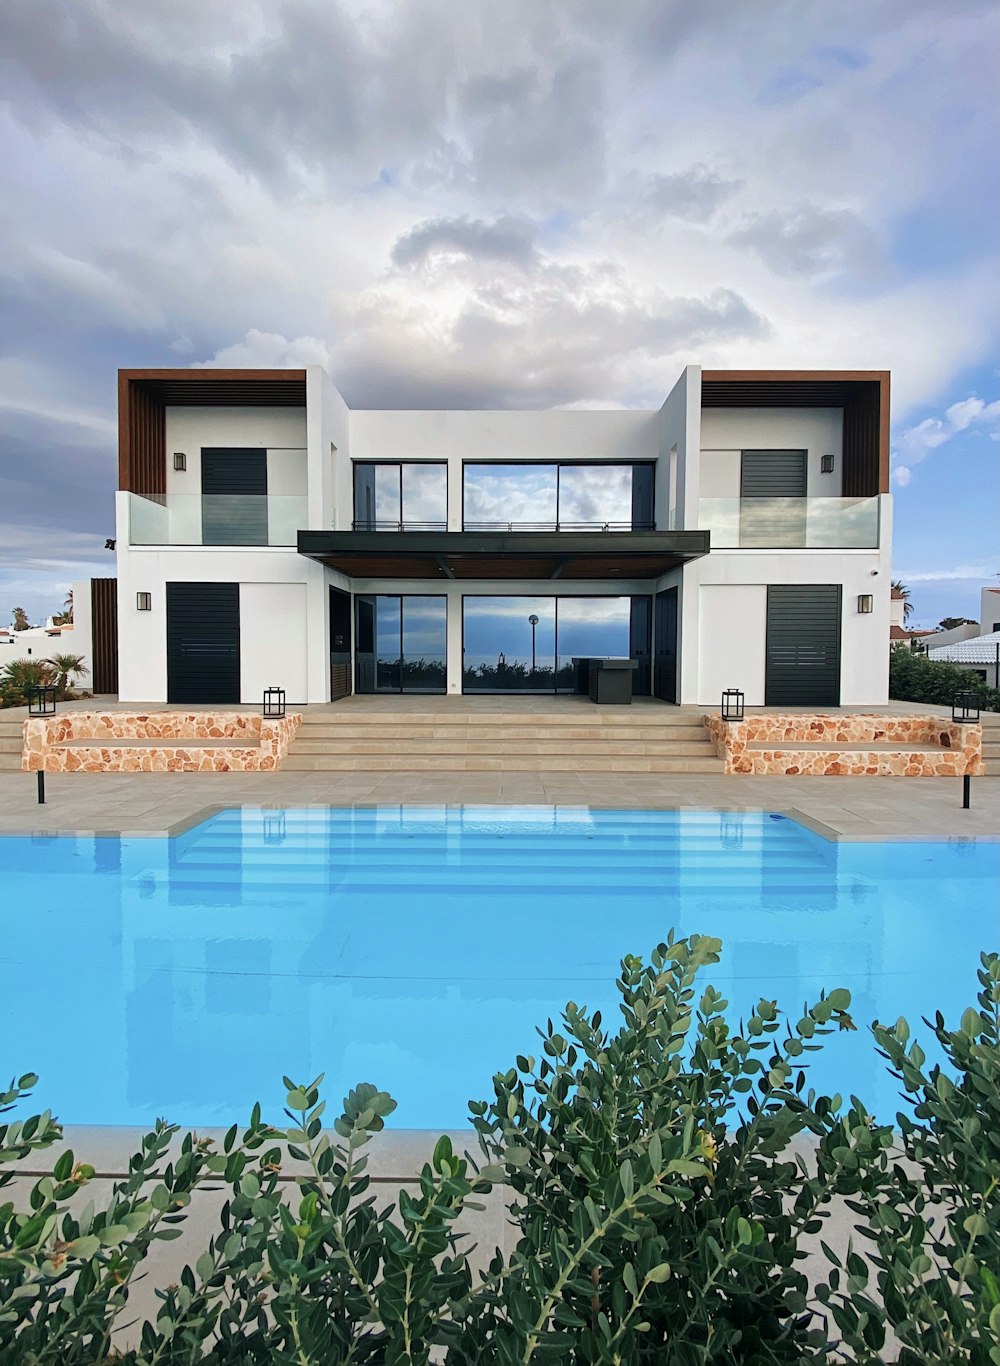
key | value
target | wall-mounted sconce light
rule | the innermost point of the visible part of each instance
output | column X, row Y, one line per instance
column 825, row 464
column 143, row 602
column 180, row 460
column 866, row 602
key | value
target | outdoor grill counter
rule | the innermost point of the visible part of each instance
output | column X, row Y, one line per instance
column 607, row 681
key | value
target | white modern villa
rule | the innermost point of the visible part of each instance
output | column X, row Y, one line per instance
column 268, row 536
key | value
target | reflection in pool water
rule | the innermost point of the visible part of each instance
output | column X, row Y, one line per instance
column 419, row 947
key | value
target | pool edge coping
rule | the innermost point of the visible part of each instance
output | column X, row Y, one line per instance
column 195, row 818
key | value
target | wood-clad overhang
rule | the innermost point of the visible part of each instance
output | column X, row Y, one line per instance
column 862, row 394
column 503, row 555
column 145, row 395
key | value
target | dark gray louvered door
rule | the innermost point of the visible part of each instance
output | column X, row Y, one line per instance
column 203, row 642
column 803, row 645
column 773, row 490
column 233, row 496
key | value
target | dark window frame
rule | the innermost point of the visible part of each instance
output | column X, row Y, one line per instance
column 559, row 465
column 360, row 525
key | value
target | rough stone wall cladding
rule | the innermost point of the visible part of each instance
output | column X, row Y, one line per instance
column 83, row 742
column 958, row 748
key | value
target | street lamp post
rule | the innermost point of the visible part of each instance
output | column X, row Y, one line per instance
column 533, row 620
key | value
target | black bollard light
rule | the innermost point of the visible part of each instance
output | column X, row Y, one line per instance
column 966, row 791
column 41, row 787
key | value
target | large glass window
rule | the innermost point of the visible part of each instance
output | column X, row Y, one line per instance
column 408, row 496
column 401, row 643
column 558, row 497
column 528, row 644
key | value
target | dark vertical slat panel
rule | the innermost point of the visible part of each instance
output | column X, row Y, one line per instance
column 104, row 635
column 803, row 645
column 203, row 642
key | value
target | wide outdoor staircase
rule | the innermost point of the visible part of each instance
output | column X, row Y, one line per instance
column 644, row 738
column 11, row 744
column 991, row 743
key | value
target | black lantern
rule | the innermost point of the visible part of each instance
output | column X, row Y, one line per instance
column 732, row 705
column 965, row 707
column 274, row 702
column 42, row 701
column 866, row 603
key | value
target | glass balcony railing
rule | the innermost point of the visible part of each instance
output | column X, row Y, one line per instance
column 791, row 523
column 216, row 519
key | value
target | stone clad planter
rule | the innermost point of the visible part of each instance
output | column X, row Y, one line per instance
column 853, row 745
column 157, row 742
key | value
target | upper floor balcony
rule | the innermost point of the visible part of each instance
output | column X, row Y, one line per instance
column 234, row 519
column 791, row 523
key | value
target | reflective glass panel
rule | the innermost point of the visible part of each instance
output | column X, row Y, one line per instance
column 505, row 650
column 519, row 497
column 593, row 496
column 425, row 497
column 387, row 644
column 388, row 507
column 597, row 628
column 425, row 635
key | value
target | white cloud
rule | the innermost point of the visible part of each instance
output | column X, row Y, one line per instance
column 916, row 443
column 980, row 570
column 902, row 474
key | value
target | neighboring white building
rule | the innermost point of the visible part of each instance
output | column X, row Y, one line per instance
column 267, row 535
column 980, row 655
column 42, row 642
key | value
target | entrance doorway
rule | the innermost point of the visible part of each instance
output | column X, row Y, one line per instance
column 401, row 643
column 803, row 645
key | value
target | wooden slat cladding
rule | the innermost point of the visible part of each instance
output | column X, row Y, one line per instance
column 144, row 395
column 142, row 438
column 862, row 394
column 104, row 635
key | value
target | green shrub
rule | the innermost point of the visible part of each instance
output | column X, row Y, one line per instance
column 660, row 1192
column 915, row 678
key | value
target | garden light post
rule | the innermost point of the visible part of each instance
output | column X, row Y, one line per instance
column 534, row 623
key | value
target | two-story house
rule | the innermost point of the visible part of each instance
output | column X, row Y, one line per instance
column 267, row 535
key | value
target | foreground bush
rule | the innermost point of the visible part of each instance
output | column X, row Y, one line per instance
column 915, row 678
column 660, row 1190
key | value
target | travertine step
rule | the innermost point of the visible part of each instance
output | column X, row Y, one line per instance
column 490, row 763
column 500, row 730
column 588, row 716
column 11, row 744
column 513, row 744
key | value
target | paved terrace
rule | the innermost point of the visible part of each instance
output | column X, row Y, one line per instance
column 838, row 807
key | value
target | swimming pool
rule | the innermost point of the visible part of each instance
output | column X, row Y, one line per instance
column 418, row 947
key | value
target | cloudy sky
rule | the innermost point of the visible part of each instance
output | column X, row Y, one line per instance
column 505, row 205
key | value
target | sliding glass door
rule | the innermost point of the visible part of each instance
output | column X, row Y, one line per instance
column 401, row 643
column 528, row 644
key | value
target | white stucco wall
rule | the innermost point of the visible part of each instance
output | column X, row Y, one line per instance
column 274, row 628
column 284, row 621
column 989, row 611
column 733, row 616
column 727, row 432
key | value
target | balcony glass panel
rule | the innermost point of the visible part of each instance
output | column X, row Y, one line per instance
column 216, row 519
column 791, row 523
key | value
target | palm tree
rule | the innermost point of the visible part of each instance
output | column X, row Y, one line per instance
column 21, row 675
column 21, row 622
column 903, row 592
column 63, row 666
column 65, row 617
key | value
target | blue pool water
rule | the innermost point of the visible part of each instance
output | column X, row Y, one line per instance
column 418, row 947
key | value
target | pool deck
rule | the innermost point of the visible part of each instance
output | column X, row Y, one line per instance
column 838, row 807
